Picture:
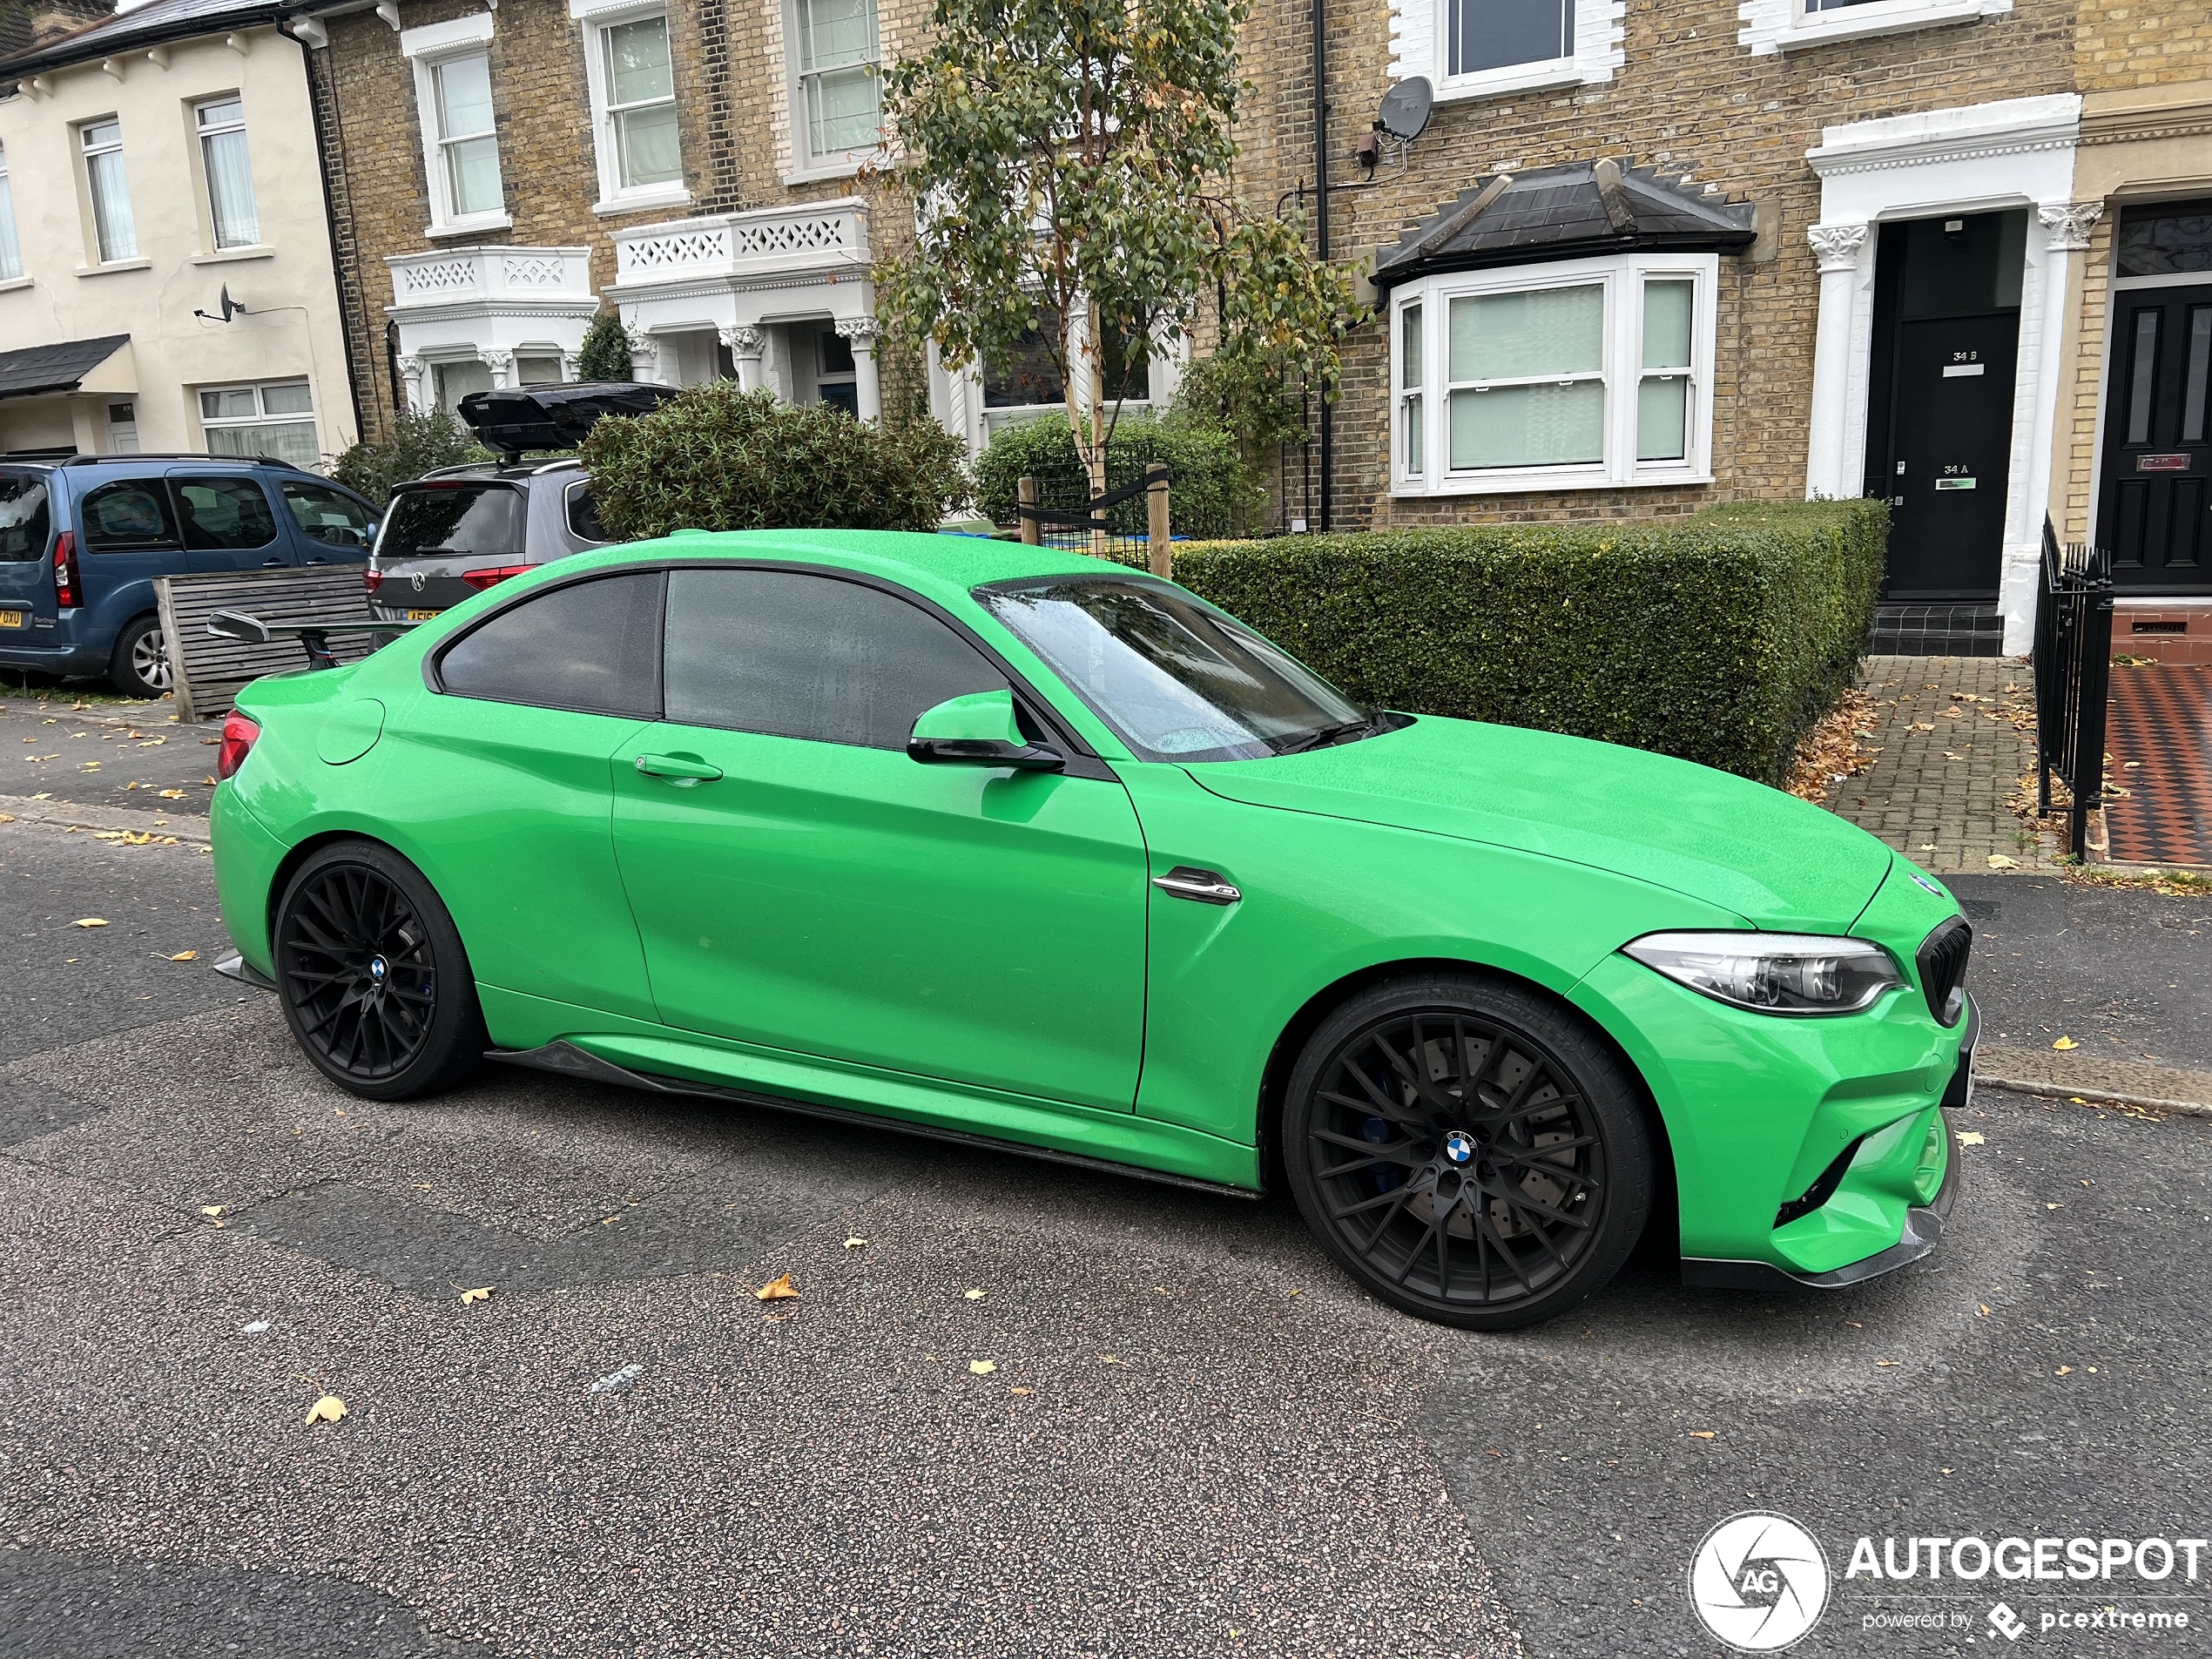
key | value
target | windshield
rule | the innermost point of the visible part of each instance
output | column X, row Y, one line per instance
column 1176, row 680
column 442, row 520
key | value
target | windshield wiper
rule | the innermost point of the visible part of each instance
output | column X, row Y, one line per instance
column 1323, row 737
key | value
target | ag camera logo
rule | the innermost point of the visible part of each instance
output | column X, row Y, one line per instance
column 1759, row 1581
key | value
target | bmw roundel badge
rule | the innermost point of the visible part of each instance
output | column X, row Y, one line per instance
column 1459, row 1146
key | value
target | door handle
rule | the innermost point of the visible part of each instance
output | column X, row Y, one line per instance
column 682, row 768
column 271, row 564
column 1202, row 887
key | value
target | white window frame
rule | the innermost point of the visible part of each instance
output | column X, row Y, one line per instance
column 85, row 152
column 1622, row 278
column 1420, row 45
column 201, row 133
column 10, row 237
column 1791, row 25
column 597, row 17
column 426, row 49
column 806, row 163
column 261, row 417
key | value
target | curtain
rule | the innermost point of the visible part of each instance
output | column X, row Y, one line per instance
column 11, row 252
column 119, row 231
column 1548, row 332
column 230, row 189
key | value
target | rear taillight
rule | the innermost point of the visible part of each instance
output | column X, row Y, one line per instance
column 372, row 580
column 491, row 576
column 238, row 733
column 65, row 593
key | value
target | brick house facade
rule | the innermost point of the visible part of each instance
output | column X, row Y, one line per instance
column 1918, row 176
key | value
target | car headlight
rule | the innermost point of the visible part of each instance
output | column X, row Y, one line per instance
column 1773, row 973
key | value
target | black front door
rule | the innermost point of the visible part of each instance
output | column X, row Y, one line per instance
column 2153, row 510
column 1946, row 318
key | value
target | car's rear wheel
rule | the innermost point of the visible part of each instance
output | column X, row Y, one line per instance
column 373, row 978
column 140, row 666
column 1467, row 1151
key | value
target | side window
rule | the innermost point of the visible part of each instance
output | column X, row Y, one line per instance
column 592, row 646
column 583, row 515
column 24, row 516
column 327, row 516
column 799, row 655
column 224, row 513
column 127, row 516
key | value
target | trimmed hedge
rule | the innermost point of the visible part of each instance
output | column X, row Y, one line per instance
column 1721, row 638
column 717, row 458
column 1206, row 482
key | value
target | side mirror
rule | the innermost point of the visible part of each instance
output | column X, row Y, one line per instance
column 978, row 729
column 236, row 625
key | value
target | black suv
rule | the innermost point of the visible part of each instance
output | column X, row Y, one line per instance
column 458, row 531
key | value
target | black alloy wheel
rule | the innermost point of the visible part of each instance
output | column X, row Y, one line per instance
column 1467, row 1151
column 374, row 980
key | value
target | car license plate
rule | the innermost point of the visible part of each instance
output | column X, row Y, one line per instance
column 424, row 616
column 12, row 618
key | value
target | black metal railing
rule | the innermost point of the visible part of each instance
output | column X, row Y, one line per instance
column 2073, row 677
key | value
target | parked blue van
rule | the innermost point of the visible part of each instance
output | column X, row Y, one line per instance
column 83, row 538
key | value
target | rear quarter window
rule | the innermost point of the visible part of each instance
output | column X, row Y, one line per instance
column 452, row 521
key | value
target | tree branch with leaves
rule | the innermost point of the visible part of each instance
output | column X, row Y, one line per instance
column 1069, row 162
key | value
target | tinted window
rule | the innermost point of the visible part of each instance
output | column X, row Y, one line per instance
column 592, row 646
column 479, row 520
column 24, row 516
column 134, row 513
column 328, row 514
column 810, row 657
column 224, row 513
column 583, row 515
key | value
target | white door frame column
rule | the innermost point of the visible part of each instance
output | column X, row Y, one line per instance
column 867, row 384
column 2014, row 153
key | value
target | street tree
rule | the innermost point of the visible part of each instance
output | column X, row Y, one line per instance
column 1069, row 163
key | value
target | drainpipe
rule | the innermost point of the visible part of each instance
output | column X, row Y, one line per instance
column 324, row 154
column 1321, row 223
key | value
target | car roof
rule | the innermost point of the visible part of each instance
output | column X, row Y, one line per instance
column 925, row 561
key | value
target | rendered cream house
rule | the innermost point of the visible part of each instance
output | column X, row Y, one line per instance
column 154, row 160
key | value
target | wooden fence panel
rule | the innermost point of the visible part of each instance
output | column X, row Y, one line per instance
column 208, row 671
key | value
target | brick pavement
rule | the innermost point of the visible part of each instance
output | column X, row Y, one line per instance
column 1951, row 755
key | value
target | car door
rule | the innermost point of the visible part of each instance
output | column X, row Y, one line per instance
column 500, row 771
column 26, row 587
column 821, row 891
column 128, row 537
column 329, row 526
column 227, row 524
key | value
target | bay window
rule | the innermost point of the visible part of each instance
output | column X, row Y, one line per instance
column 1584, row 374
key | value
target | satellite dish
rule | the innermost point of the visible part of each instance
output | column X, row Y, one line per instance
column 1404, row 108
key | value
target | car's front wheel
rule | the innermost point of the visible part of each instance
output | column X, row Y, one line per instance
column 1468, row 1150
column 373, row 978
column 140, row 666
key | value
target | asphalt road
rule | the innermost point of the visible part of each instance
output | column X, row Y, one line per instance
column 1193, row 1438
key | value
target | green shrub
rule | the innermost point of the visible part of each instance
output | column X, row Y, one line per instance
column 719, row 459
column 605, row 354
column 419, row 443
column 1721, row 638
column 1205, row 484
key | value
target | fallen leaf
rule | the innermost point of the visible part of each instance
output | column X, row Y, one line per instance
column 1109, row 1359
column 1998, row 861
column 855, row 1243
column 328, row 1409
column 211, row 1210
column 482, row 1295
column 2066, row 1042
column 185, row 956
column 172, row 794
column 1969, row 1137
column 2063, row 1370
column 973, row 1295
column 1022, row 1390
column 1887, row 1364
column 778, row 1289
column 982, row 1367
column 1983, row 1310
column 44, row 794
column 90, row 921
column 2054, row 1206
column 253, row 1329
column 1701, row 1435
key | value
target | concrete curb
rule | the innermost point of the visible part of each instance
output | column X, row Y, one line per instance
column 2166, row 1089
column 69, row 814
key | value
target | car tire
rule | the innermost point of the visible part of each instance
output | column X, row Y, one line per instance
column 139, row 665
column 1468, row 1150
column 373, row 975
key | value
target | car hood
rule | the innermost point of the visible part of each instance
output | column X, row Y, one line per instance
column 1778, row 862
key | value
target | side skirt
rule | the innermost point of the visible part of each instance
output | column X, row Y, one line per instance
column 568, row 1060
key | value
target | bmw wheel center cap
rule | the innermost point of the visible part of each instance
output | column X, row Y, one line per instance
column 1459, row 1146
column 377, row 969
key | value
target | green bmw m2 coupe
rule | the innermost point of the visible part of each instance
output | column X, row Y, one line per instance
column 1010, row 847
